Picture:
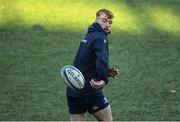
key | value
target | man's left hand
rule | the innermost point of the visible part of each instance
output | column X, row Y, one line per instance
column 113, row 72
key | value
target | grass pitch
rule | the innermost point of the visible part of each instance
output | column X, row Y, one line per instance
column 38, row 37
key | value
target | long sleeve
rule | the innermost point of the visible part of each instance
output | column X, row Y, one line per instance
column 101, row 51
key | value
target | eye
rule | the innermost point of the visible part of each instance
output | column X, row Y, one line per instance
column 105, row 20
column 110, row 22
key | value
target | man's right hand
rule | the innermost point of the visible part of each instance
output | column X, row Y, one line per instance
column 97, row 84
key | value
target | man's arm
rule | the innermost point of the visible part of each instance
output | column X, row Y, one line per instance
column 101, row 51
column 113, row 72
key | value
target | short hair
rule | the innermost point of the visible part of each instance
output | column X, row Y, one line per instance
column 108, row 13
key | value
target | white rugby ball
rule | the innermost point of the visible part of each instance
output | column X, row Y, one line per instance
column 74, row 79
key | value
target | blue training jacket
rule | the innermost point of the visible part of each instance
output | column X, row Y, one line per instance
column 92, row 59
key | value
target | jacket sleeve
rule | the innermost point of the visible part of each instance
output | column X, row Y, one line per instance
column 101, row 52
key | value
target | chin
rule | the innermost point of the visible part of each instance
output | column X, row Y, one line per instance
column 108, row 31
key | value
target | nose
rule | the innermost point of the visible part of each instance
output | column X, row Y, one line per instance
column 108, row 24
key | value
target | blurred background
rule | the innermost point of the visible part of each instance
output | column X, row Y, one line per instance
column 37, row 38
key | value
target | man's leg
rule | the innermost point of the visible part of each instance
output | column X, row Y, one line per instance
column 104, row 114
column 77, row 111
column 78, row 117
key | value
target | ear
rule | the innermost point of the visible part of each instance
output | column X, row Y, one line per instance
column 97, row 20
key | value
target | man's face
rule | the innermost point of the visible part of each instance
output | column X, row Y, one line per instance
column 105, row 23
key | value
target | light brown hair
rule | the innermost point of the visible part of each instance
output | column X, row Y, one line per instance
column 107, row 13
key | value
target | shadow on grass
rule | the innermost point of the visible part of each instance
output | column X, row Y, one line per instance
column 31, row 57
column 137, row 4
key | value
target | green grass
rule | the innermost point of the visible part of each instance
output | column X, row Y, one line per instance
column 38, row 37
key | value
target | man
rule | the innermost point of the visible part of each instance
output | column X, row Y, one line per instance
column 92, row 60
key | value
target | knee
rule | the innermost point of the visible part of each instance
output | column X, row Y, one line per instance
column 78, row 117
column 107, row 118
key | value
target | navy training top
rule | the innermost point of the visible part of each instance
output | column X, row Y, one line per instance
column 92, row 59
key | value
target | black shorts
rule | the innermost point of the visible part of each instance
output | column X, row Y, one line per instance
column 91, row 103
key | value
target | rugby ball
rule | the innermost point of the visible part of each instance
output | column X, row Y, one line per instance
column 73, row 78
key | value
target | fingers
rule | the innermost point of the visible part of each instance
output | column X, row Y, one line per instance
column 97, row 84
column 92, row 82
column 113, row 72
column 115, row 77
column 111, row 68
column 117, row 71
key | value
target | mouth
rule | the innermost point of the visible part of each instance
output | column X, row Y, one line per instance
column 106, row 29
